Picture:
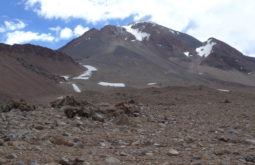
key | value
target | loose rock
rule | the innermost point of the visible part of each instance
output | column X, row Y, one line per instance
column 172, row 152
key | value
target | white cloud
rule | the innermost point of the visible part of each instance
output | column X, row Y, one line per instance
column 12, row 25
column 2, row 29
column 79, row 30
column 18, row 37
column 228, row 20
column 66, row 33
column 55, row 29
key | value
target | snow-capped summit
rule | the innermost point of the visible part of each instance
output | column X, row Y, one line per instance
column 139, row 35
column 144, row 52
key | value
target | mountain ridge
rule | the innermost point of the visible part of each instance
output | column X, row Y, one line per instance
column 29, row 70
column 163, row 51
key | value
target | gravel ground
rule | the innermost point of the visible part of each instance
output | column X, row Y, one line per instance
column 177, row 125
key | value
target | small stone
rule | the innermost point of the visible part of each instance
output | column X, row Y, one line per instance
column 221, row 152
column 1, row 142
column 98, row 117
column 66, row 134
column 64, row 161
column 2, row 161
column 61, row 141
column 20, row 163
column 19, row 145
column 223, row 139
column 33, row 163
column 39, row 127
column 60, row 123
column 112, row 160
column 46, row 143
column 105, row 144
column 226, row 101
column 11, row 156
column 122, row 119
column 172, row 152
column 1, row 152
column 158, row 145
column 123, row 154
column 250, row 159
column 69, row 111
column 189, row 139
column 250, row 141
column 198, row 162
column 79, row 160
column 149, row 154
column 37, row 148
column 136, row 143
column 52, row 164
column 79, row 145
column 205, row 156
column 3, row 117
column 79, row 123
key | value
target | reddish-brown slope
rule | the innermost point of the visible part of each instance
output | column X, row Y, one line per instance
column 50, row 60
column 33, row 71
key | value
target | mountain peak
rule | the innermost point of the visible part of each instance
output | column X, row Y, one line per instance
column 142, row 22
column 144, row 51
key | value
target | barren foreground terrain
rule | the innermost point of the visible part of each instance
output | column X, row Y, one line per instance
column 174, row 125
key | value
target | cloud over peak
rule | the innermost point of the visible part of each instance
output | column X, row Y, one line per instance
column 67, row 33
column 229, row 20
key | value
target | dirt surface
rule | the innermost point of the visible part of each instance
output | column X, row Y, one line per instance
column 174, row 125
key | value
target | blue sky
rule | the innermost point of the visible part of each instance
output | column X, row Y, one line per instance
column 15, row 12
column 53, row 23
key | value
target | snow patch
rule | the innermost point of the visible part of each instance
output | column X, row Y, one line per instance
column 186, row 54
column 60, row 97
column 76, row 88
column 111, row 84
column 174, row 32
column 150, row 84
column 223, row 90
column 66, row 77
column 150, row 22
column 139, row 35
column 205, row 50
column 87, row 74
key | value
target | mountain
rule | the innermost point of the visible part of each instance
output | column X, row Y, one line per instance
column 29, row 70
column 145, row 53
column 225, row 57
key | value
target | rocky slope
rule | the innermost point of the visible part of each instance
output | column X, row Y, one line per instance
column 174, row 125
column 225, row 57
column 32, row 71
column 145, row 52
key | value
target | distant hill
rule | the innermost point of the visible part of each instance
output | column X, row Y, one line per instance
column 30, row 71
